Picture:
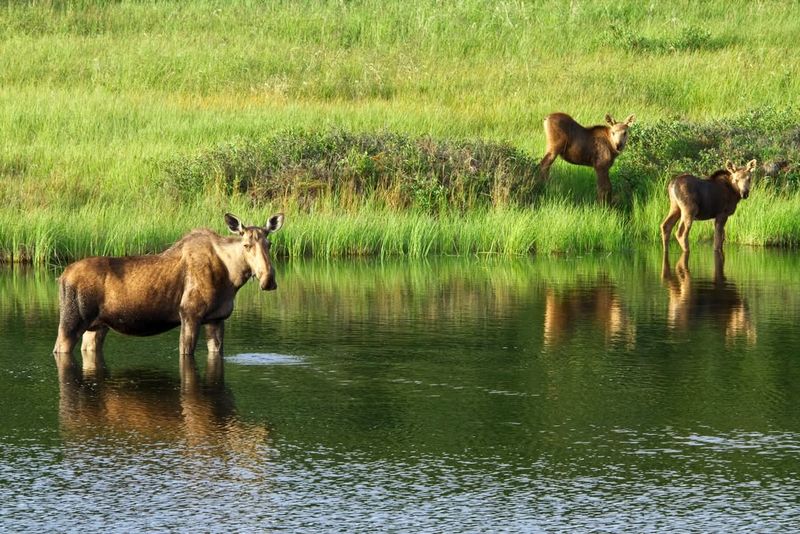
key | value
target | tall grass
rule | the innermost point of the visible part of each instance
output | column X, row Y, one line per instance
column 95, row 97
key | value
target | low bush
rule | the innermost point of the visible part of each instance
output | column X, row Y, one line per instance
column 658, row 151
column 390, row 169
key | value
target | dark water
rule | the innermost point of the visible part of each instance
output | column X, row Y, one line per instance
column 461, row 394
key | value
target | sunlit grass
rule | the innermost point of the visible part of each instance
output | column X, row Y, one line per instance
column 94, row 96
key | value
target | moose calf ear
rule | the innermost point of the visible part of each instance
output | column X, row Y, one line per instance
column 234, row 224
column 729, row 166
column 751, row 165
column 630, row 120
column 275, row 222
column 610, row 120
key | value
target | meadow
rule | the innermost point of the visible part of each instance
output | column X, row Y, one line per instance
column 124, row 124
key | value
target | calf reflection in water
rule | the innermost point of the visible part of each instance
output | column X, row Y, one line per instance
column 151, row 406
column 566, row 310
column 718, row 300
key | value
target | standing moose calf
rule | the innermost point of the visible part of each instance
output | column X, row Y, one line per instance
column 596, row 147
column 190, row 284
column 692, row 198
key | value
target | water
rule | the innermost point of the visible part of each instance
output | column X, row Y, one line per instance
column 457, row 394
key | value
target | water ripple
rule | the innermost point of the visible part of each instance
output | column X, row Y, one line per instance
column 256, row 358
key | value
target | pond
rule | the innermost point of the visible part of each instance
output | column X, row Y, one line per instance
column 455, row 394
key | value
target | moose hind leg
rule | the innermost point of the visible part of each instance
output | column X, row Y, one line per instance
column 93, row 339
column 668, row 224
column 214, row 334
column 683, row 240
column 66, row 341
column 70, row 328
column 544, row 165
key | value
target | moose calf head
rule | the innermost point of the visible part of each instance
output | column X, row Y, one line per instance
column 618, row 131
column 741, row 177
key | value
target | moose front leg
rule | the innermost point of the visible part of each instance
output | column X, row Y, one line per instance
column 719, row 233
column 189, row 329
column 603, row 185
column 214, row 333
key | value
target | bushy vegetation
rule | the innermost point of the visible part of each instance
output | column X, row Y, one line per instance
column 666, row 147
column 393, row 170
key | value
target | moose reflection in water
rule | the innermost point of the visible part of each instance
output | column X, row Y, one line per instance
column 190, row 284
column 153, row 406
column 566, row 310
column 718, row 300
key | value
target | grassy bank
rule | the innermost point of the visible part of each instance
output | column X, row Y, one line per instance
column 98, row 99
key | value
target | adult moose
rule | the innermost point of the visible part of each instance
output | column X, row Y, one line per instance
column 716, row 197
column 596, row 147
column 190, row 284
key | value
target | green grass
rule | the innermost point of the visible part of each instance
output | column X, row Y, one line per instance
column 97, row 97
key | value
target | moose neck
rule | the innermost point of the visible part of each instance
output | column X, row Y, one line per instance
column 603, row 138
column 732, row 192
column 230, row 252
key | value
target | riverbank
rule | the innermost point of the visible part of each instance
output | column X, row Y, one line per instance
column 101, row 104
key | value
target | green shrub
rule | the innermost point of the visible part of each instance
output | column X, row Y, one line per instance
column 394, row 170
column 665, row 148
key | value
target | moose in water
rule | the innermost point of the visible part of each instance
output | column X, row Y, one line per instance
column 699, row 199
column 596, row 147
column 190, row 284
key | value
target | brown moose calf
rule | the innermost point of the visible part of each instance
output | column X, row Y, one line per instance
column 596, row 147
column 699, row 199
column 190, row 284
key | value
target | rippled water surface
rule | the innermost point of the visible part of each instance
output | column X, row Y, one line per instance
column 458, row 394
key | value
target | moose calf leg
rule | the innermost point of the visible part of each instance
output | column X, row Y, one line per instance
column 544, row 165
column 214, row 333
column 719, row 234
column 683, row 240
column 667, row 225
column 603, row 186
column 681, row 230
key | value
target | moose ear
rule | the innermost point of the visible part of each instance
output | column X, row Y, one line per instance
column 630, row 120
column 234, row 224
column 729, row 166
column 610, row 120
column 274, row 223
column 751, row 165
